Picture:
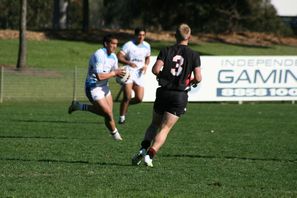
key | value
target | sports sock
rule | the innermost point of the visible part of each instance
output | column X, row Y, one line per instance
column 152, row 153
column 114, row 132
column 122, row 118
column 83, row 107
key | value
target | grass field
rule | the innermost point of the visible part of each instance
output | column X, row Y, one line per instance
column 56, row 54
column 216, row 150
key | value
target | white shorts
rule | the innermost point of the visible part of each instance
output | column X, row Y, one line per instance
column 97, row 93
column 136, row 76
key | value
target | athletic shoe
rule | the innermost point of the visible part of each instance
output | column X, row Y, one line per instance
column 136, row 159
column 73, row 107
column 121, row 121
column 148, row 161
column 116, row 136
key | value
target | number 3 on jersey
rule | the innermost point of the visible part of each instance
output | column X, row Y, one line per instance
column 177, row 68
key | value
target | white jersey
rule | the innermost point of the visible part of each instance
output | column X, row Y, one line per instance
column 100, row 62
column 136, row 53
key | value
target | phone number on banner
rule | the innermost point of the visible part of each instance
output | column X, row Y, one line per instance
column 257, row 92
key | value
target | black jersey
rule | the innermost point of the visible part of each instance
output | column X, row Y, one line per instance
column 179, row 63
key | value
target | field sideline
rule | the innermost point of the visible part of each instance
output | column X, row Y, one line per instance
column 216, row 150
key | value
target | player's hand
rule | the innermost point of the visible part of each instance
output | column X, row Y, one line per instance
column 143, row 69
column 194, row 83
column 132, row 65
column 120, row 72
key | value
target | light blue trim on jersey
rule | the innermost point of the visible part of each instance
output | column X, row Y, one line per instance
column 100, row 62
column 111, row 56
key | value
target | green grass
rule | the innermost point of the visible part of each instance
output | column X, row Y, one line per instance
column 215, row 150
column 221, row 49
column 237, row 50
column 53, row 54
column 56, row 54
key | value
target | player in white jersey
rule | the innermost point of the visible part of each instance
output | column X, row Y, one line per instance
column 103, row 64
column 135, row 54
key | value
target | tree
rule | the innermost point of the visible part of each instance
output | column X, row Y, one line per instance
column 60, row 14
column 216, row 16
column 85, row 15
column 21, row 64
column 96, row 18
column 123, row 14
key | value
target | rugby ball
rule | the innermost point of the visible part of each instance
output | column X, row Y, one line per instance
column 123, row 79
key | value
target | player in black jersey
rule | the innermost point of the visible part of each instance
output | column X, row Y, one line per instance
column 173, row 68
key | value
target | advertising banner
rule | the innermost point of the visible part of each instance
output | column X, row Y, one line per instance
column 239, row 78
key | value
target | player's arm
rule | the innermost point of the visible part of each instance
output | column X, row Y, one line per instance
column 146, row 63
column 99, row 71
column 122, row 59
column 117, row 72
column 157, row 67
column 197, row 76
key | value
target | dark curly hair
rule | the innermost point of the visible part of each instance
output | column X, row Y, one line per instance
column 107, row 39
column 139, row 29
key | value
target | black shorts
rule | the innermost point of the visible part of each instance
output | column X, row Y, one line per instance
column 171, row 101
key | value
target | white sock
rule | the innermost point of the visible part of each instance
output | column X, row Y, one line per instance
column 114, row 132
column 122, row 118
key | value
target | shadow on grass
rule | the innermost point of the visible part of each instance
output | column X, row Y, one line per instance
column 231, row 157
column 43, row 137
column 248, row 46
column 58, row 121
column 94, row 36
column 65, row 161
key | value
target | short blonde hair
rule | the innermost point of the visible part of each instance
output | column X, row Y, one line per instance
column 183, row 32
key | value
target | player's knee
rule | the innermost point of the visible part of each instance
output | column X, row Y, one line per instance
column 138, row 99
column 108, row 117
column 126, row 100
column 107, row 114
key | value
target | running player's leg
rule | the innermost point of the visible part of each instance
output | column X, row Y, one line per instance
column 150, row 134
column 139, row 92
column 166, row 125
column 173, row 111
column 152, row 130
column 102, row 104
column 104, row 107
column 92, row 94
column 125, row 102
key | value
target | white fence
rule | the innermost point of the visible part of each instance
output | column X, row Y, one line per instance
column 41, row 85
